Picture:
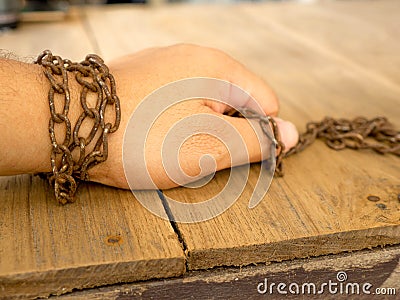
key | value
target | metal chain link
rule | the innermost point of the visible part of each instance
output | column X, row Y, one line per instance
column 94, row 77
column 377, row 134
column 266, row 123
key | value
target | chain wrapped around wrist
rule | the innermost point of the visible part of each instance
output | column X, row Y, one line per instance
column 69, row 161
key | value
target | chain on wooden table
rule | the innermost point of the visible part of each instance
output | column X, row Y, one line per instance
column 94, row 77
column 377, row 134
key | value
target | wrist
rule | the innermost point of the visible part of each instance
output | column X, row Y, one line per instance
column 25, row 146
column 23, row 116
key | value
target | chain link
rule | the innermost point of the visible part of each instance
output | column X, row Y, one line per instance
column 266, row 123
column 94, row 77
column 377, row 134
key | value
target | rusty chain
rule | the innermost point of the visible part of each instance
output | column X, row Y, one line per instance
column 93, row 75
column 94, row 78
column 377, row 134
column 267, row 122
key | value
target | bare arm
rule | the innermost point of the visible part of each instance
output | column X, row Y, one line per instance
column 24, row 112
column 24, row 146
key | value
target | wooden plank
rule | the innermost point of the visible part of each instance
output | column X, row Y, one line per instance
column 320, row 206
column 301, row 216
column 367, row 27
column 357, row 33
column 246, row 32
column 300, row 213
column 105, row 237
column 374, row 267
column 68, row 39
column 109, row 24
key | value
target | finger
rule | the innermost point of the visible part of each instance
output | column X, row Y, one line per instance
column 259, row 90
column 257, row 143
column 262, row 97
column 203, row 143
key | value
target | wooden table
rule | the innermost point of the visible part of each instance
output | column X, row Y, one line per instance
column 331, row 58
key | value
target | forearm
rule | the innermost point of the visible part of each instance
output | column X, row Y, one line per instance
column 24, row 117
column 24, row 111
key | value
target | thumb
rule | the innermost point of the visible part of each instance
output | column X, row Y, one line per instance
column 257, row 143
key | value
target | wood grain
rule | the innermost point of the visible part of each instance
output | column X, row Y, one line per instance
column 105, row 237
column 320, row 206
column 67, row 38
column 317, row 67
column 362, row 36
column 238, row 283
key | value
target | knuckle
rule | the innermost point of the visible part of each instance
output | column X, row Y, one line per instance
column 202, row 144
column 201, row 52
column 273, row 107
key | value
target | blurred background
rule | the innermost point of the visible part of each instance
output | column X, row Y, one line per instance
column 14, row 11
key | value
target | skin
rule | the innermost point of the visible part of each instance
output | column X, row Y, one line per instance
column 24, row 112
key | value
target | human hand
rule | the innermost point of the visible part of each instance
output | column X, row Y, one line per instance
column 25, row 146
column 139, row 74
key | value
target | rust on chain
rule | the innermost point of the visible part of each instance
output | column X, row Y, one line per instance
column 94, row 78
column 267, row 122
column 377, row 134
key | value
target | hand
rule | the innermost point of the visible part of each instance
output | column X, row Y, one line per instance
column 140, row 74
column 24, row 113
